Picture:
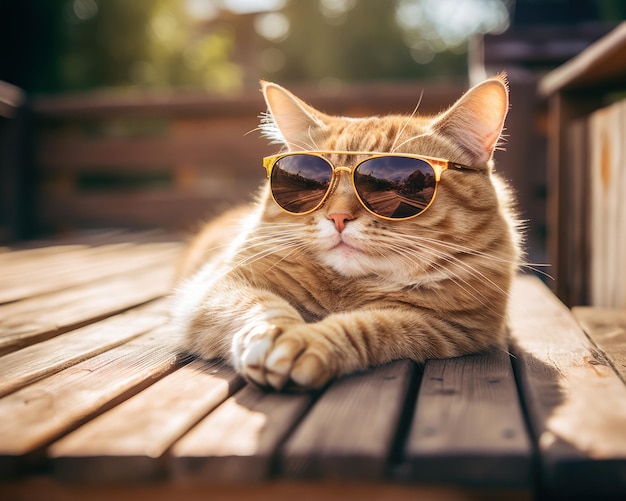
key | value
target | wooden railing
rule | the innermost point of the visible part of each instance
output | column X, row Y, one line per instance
column 172, row 160
column 587, row 174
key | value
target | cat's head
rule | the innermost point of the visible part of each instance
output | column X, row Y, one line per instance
column 344, row 235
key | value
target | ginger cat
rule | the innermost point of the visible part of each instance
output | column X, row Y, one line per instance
column 294, row 296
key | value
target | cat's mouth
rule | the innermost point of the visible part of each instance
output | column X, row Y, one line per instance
column 342, row 245
column 345, row 248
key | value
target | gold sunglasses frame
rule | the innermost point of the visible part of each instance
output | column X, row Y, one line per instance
column 439, row 165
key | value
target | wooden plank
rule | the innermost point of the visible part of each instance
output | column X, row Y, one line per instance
column 46, row 252
column 468, row 427
column 33, row 489
column 161, row 209
column 37, row 254
column 101, row 105
column 238, row 441
column 62, row 151
column 607, row 329
column 95, row 238
column 373, row 98
column 601, row 63
column 20, row 263
column 36, row 248
column 349, row 433
column 37, row 414
column 43, row 317
column 578, row 202
column 63, row 270
column 600, row 216
column 563, row 109
column 35, row 362
column 128, row 442
column 20, row 266
column 576, row 403
column 607, row 127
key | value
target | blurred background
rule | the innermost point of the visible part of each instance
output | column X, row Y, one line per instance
column 225, row 46
column 142, row 113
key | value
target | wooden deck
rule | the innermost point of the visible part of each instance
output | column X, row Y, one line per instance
column 95, row 402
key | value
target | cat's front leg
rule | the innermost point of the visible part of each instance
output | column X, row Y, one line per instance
column 263, row 337
column 304, row 355
column 231, row 320
column 308, row 355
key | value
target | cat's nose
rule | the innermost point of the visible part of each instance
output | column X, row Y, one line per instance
column 340, row 219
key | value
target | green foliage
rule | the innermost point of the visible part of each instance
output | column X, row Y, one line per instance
column 121, row 43
column 165, row 43
column 224, row 45
column 364, row 42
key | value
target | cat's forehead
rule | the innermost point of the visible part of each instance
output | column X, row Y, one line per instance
column 386, row 133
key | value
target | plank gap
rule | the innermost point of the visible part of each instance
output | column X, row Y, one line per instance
column 396, row 457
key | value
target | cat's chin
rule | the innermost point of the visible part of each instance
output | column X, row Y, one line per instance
column 348, row 261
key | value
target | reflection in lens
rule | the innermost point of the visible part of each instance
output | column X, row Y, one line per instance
column 299, row 182
column 395, row 187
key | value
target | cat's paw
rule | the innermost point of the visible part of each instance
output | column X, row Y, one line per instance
column 271, row 356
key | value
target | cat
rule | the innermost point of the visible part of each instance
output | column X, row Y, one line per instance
column 294, row 301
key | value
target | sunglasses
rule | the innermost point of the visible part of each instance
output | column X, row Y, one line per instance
column 392, row 186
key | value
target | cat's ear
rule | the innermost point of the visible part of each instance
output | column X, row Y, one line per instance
column 290, row 120
column 476, row 120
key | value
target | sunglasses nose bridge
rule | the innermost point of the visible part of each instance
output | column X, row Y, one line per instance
column 342, row 176
column 348, row 170
column 342, row 182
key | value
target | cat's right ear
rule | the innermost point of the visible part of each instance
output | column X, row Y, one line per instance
column 290, row 120
column 476, row 120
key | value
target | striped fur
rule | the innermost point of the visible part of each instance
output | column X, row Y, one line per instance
column 291, row 301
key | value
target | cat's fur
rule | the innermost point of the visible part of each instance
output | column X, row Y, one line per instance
column 293, row 301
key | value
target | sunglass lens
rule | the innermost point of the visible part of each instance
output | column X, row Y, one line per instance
column 299, row 182
column 395, row 187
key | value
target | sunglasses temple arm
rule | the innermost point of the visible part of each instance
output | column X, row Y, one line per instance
column 455, row 166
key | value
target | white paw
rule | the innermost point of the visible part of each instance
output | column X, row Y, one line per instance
column 277, row 358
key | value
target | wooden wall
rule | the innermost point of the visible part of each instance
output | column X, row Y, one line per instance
column 597, row 206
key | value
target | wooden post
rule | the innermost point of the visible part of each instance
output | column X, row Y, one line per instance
column 13, row 173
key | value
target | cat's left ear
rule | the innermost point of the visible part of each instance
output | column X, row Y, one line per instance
column 291, row 121
column 476, row 120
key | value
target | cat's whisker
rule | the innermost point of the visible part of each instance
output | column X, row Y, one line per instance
column 452, row 260
column 410, row 255
column 289, row 254
column 256, row 129
column 420, row 239
column 406, row 123
column 408, row 141
column 449, row 275
column 279, row 245
column 312, row 140
column 302, row 145
column 463, row 284
column 467, row 250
